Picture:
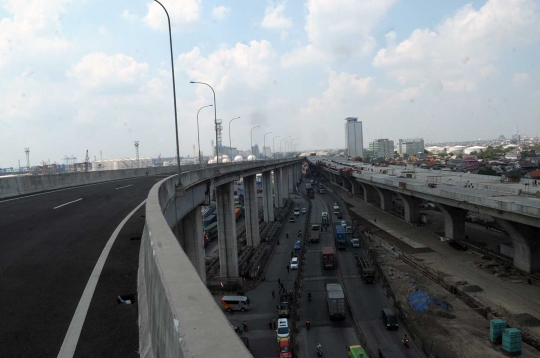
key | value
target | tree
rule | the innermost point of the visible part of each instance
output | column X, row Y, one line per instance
column 367, row 158
column 487, row 171
column 474, row 152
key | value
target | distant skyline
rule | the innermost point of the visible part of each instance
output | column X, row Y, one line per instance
column 95, row 75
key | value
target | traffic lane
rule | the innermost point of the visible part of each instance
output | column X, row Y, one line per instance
column 48, row 265
column 22, row 209
column 263, row 340
column 110, row 329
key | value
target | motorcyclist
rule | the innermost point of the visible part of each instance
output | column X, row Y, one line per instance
column 309, row 296
column 287, row 235
column 308, row 323
column 319, row 347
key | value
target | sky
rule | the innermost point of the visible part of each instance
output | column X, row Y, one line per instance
column 95, row 75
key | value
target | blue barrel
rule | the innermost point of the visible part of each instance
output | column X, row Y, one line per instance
column 511, row 340
column 496, row 328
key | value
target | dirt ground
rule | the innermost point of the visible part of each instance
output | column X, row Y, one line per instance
column 458, row 332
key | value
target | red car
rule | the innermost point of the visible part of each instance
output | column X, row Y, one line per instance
column 285, row 348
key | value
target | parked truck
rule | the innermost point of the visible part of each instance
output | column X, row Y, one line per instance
column 366, row 270
column 341, row 237
column 314, row 235
column 328, row 257
column 335, row 300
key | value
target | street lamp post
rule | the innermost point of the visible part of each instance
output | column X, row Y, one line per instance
column 280, row 152
column 251, row 150
column 198, row 136
column 174, row 96
column 215, row 120
column 264, row 144
column 274, row 145
column 230, row 143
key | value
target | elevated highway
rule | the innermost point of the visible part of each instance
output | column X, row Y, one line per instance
column 513, row 207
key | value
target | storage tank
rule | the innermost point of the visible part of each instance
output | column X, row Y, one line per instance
column 211, row 161
column 225, row 160
column 238, row 158
column 251, row 158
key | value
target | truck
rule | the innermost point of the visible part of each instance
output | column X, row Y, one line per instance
column 211, row 231
column 324, row 217
column 328, row 257
column 283, row 309
column 209, row 220
column 366, row 270
column 341, row 237
column 308, row 186
column 336, row 209
column 237, row 213
column 335, row 300
column 314, row 235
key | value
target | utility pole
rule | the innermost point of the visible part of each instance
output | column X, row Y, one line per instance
column 27, row 151
column 137, row 152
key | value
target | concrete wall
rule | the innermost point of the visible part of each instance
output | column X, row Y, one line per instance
column 178, row 316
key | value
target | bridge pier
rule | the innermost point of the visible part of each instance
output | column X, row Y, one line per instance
column 347, row 185
column 268, row 197
column 278, row 187
column 191, row 237
column 291, row 180
column 251, row 210
column 228, row 248
column 385, row 198
column 454, row 221
column 369, row 193
column 525, row 239
column 412, row 208
column 285, row 184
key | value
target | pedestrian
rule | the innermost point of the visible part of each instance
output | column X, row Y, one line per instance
column 278, row 282
column 287, row 268
column 282, row 287
column 274, row 322
column 273, row 294
column 270, row 324
column 245, row 326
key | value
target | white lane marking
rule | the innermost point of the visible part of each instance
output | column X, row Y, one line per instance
column 71, row 202
column 125, row 186
column 74, row 331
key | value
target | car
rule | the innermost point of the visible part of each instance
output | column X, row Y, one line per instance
column 296, row 211
column 284, row 348
column 291, row 219
column 294, row 263
column 304, row 210
column 324, row 214
column 355, row 243
column 283, row 329
column 389, row 318
column 343, row 223
column 297, row 245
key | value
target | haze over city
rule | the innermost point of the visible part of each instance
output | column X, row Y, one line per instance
column 80, row 75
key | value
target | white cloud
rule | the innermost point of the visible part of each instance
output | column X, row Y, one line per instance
column 520, row 78
column 102, row 30
column 99, row 70
column 246, row 64
column 304, row 55
column 274, row 17
column 126, row 15
column 33, row 28
column 462, row 46
column 220, row 12
column 182, row 13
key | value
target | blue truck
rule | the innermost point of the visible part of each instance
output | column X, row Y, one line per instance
column 209, row 220
column 341, row 237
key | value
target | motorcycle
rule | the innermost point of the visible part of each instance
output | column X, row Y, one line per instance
column 238, row 330
column 319, row 351
column 405, row 341
column 308, row 324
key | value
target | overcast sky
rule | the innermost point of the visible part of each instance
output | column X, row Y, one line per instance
column 95, row 74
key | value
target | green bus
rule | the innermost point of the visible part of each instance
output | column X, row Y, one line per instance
column 211, row 231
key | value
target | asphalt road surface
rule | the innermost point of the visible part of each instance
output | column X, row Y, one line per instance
column 47, row 253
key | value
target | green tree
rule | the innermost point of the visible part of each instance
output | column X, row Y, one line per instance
column 487, row 171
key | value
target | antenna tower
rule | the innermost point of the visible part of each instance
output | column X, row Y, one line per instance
column 27, row 151
column 137, row 151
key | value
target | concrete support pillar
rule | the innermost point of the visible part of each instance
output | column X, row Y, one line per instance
column 347, row 184
column 191, row 236
column 454, row 221
column 526, row 242
column 268, row 197
column 369, row 193
column 227, row 240
column 252, row 211
column 385, row 196
column 291, row 180
column 285, row 183
column 278, row 187
column 411, row 206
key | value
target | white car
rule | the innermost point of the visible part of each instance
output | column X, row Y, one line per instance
column 283, row 329
column 304, row 210
column 294, row 263
column 343, row 223
column 355, row 243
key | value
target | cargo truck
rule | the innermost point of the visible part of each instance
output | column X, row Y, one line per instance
column 366, row 271
column 314, row 235
column 335, row 300
column 328, row 257
column 209, row 220
column 237, row 213
column 341, row 237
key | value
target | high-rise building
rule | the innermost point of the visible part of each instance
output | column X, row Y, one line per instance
column 382, row 148
column 411, row 146
column 267, row 151
column 353, row 137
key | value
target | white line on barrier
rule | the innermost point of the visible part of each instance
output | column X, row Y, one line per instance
column 71, row 202
column 74, row 331
column 125, row 186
